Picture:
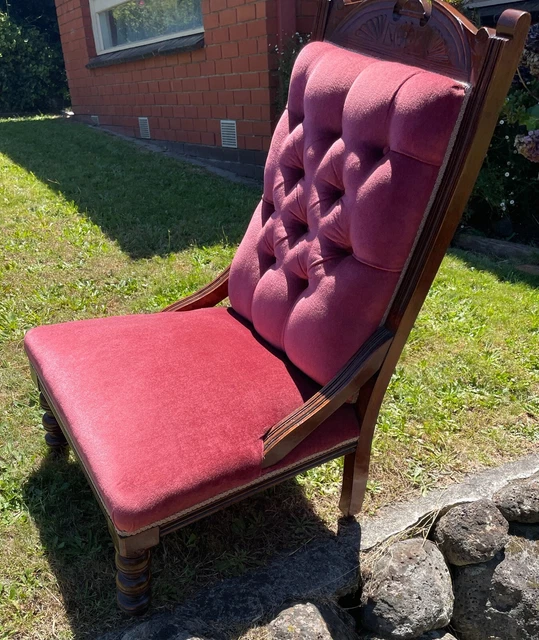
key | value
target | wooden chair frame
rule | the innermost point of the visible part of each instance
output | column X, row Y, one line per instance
column 411, row 30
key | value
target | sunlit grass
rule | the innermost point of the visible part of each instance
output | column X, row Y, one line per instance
column 93, row 226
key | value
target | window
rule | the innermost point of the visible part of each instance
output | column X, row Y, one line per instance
column 119, row 24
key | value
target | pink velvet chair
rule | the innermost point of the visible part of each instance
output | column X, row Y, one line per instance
column 175, row 415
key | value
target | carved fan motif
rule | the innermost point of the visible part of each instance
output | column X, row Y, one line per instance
column 403, row 37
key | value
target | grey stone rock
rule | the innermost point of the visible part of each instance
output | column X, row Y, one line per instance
column 499, row 600
column 409, row 591
column 431, row 635
column 471, row 533
column 519, row 500
column 313, row 621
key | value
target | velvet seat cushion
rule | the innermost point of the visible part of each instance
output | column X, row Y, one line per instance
column 168, row 410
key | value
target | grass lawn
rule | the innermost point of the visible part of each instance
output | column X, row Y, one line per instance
column 91, row 226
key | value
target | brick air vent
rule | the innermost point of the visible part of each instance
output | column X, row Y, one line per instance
column 229, row 135
column 144, row 128
column 95, row 120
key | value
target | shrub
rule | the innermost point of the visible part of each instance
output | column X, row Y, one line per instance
column 32, row 76
column 508, row 183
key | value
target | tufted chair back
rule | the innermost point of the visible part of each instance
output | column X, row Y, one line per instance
column 353, row 166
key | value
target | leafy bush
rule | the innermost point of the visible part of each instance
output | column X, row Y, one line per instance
column 32, row 76
column 507, row 187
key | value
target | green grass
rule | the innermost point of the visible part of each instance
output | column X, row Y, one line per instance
column 92, row 226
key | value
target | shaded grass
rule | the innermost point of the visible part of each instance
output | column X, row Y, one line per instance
column 85, row 222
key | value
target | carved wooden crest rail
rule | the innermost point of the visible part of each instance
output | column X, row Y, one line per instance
column 410, row 31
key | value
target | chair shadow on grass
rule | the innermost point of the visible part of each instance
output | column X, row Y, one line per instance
column 502, row 269
column 80, row 552
column 149, row 204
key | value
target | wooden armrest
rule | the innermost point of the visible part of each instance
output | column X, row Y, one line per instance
column 208, row 296
column 289, row 432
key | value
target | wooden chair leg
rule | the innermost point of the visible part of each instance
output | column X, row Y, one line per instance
column 133, row 580
column 354, row 482
column 54, row 437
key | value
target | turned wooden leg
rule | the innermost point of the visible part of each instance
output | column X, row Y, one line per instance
column 54, row 437
column 133, row 583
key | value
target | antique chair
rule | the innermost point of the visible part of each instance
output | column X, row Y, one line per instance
column 178, row 414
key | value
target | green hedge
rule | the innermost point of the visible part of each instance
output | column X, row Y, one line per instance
column 32, row 75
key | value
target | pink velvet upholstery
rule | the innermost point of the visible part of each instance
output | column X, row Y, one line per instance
column 351, row 169
column 168, row 410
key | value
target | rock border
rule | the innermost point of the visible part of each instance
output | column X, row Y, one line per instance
column 323, row 569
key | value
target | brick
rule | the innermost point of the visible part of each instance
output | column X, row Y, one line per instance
column 245, row 128
column 230, row 50
column 191, row 112
column 261, row 96
column 180, row 71
column 253, row 142
column 207, row 138
column 233, row 112
column 198, row 56
column 167, row 112
column 214, row 52
column 217, row 5
column 257, row 28
column 252, row 112
column 217, row 82
column 261, row 9
column 193, row 70
column 204, row 112
column 218, row 111
column 233, row 82
column 242, row 97
column 258, row 63
column 226, row 97
column 238, row 32
column 239, row 65
column 246, row 13
column 155, row 111
column 164, row 86
column 214, row 126
column 188, row 84
column 197, row 97
column 223, row 67
column 178, row 112
column 227, row 17
column 169, row 98
column 248, row 47
column 262, row 128
column 168, row 73
column 207, row 68
column 193, row 137
column 202, row 84
column 211, row 21
column 175, row 123
column 235, row 3
column 210, row 97
column 250, row 80
column 218, row 36
column 187, row 124
column 200, row 125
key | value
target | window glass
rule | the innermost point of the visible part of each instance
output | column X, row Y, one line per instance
column 138, row 20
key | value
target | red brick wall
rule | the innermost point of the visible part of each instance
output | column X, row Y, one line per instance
column 184, row 95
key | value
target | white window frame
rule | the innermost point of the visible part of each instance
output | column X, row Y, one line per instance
column 98, row 6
